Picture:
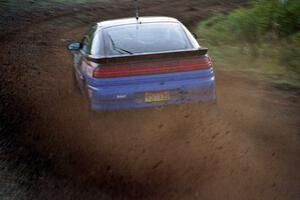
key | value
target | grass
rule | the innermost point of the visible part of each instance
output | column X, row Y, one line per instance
column 239, row 58
column 256, row 40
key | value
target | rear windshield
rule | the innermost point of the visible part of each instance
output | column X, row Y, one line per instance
column 145, row 38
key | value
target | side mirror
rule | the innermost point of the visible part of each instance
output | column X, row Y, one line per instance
column 195, row 35
column 74, row 46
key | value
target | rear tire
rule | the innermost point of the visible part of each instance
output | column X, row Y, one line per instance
column 80, row 91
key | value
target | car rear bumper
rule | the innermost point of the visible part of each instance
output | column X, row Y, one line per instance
column 187, row 87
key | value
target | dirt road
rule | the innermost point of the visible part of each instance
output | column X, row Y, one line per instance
column 52, row 148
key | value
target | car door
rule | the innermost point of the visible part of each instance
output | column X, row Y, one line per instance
column 86, row 49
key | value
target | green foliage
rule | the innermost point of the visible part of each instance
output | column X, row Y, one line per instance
column 265, row 37
column 290, row 54
column 265, row 20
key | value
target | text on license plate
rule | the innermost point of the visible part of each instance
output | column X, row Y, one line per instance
column 157, row 96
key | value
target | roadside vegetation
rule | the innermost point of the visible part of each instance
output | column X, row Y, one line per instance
column 263, row 38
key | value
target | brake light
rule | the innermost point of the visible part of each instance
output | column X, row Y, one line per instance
column 121, row 70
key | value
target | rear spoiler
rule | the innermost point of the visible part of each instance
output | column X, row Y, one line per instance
column 153, row 56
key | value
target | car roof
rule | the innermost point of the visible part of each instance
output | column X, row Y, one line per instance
column 126, row 21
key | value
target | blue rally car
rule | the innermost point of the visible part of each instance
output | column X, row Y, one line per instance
column 145, row 62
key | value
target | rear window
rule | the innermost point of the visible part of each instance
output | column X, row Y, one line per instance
column 145, row 38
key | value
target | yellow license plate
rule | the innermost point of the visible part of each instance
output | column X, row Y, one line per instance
column 157, row 96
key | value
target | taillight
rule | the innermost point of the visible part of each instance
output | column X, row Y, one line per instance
column 121, row 70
